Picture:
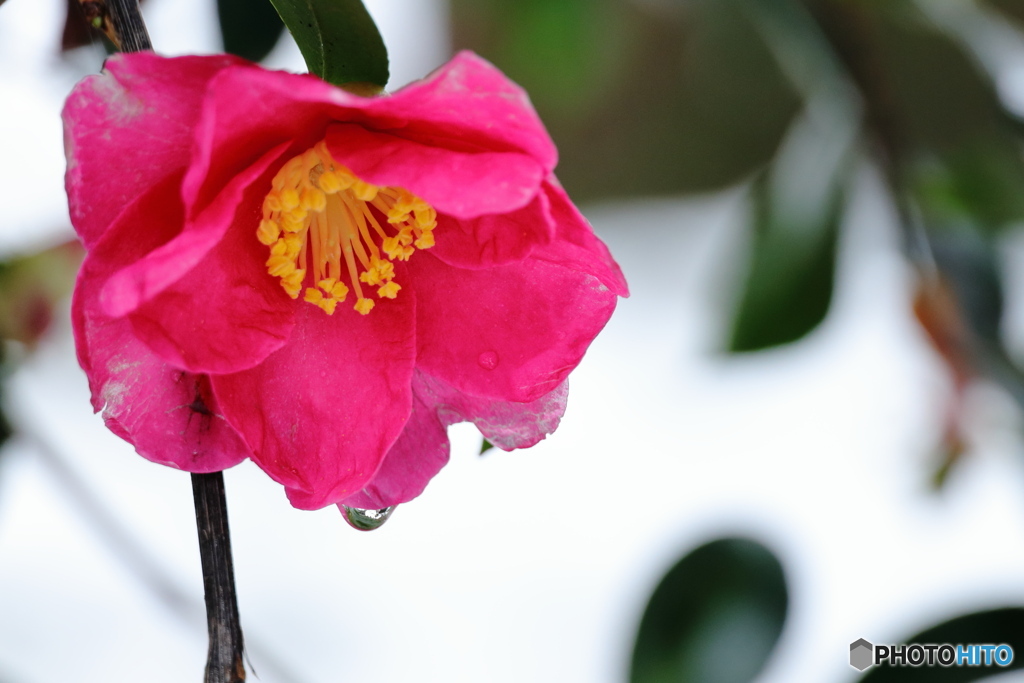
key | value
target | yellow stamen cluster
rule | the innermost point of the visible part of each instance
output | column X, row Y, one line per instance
column 320, row 220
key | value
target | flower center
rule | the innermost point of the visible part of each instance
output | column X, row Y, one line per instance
column 320, row 220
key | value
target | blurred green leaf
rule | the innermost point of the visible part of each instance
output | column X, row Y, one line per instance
column 945, row 135
column 249, row 28
column 561, row 50
column 789, row 284
column 338, row 40
column 485, row 446
column 998, row 626
column 714, row 618
column 957, row 120
column 797, row 206
column 1014, row 9
column 980, row 183
column 641, row 98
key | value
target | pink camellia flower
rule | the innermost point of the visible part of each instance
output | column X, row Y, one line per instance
column 282, row 270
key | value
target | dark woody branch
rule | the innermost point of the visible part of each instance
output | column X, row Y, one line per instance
column 120, row 21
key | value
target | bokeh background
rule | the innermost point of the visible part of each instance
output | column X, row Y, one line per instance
column 817, row 204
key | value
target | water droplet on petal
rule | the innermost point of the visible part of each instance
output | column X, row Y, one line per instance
column 488, row 360
column 366, row 520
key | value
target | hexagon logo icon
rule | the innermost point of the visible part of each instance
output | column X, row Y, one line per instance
column 861, row 654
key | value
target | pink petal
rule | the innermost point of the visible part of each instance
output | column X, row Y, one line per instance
column 422, row 449
column 510, row 332
column 467, row 105
column 140, row 281
column 227, row 314
column 320, row 414
column 506, row 424
column 494, row 239
column 418, row 454
column 576, row 246
column 461, row 184
column 249, row 110
column 170, row 416
column 223, row 314
column 127, row 129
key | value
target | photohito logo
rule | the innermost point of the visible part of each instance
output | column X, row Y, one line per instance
column 863, row 654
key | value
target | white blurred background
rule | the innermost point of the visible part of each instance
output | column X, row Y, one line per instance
column 526, row 566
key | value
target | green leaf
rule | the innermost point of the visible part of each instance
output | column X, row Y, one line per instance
column 714, row 618
column 1014, row 9
column 789, row 282
column 249, row 28
column 641, row 98
column 338, row 40
column 797, row 207
column 998, row 626
column 485, row 446
column 947, row 136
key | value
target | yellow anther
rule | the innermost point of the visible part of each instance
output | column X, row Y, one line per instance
column 268, row 232
column 272, row 202
column 289, row 199
column 379, row 271
column 329, row 182
column 294, row 281
column 389, row 290
column 323, row 223
column 313, row 199
column 426, row 217
column 280, row 266
column 346, row 177
column 364, row 306
column 394, row 248
column 339, row 291
column 293, row 244
column 390, row 246
column 404, row 201
column 289, row 223
column 364, row 191
column 425, row 240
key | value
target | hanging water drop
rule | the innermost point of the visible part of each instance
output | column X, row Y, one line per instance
column 488, row 360
column 366, row 520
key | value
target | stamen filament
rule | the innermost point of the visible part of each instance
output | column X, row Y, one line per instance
column 314, row 194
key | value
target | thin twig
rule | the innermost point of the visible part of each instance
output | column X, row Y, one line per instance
column 224, row 660
column 128, row 25
column 120, row 21
column 224, row 664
